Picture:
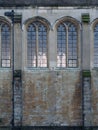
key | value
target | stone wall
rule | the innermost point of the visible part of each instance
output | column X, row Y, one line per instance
column 52, row 98
column 95, row 96
column 5, row 97
column 49, row 97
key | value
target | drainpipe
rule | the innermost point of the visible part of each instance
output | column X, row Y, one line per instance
column 13, row 69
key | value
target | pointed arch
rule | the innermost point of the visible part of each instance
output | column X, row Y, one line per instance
column 67, row 42
column 37, row 42
column 68, row 18
column 38, row 19
column 94, row 27
column 5, row 42
column 93, row 23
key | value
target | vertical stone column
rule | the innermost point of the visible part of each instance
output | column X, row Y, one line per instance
column 17, row 100
column 17, row 71
column 87, row 106
column 52, row 49
column 85, row 42
column 86, row 76
column 17, row 46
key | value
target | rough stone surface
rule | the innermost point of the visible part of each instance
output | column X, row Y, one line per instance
column 95, row 96
column 87, row 107
column 17, row 102
column 48, row 2
column 51, row 98
column 5, row 98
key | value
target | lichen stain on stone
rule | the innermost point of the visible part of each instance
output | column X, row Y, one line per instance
column 52, row 97
column 5, row 101
column 76, row 102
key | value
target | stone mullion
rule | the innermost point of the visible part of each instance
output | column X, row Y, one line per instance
column 86, row 47
column 17, row 74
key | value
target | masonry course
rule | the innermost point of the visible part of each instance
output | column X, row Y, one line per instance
column 48, row 3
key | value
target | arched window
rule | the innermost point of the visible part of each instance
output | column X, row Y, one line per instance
column 37, row 45
column 67, row 48
column 96, row 46
column 5, row 45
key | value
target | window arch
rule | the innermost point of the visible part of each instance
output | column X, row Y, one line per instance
column 37, row 44
column 96, row 45
column 67, row 48
column 5, row 45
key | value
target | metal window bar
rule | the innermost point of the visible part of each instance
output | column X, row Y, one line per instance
column 42, row 46
column 61, row 46
column 5, row 46
column 72, row 46
column 6, row 63
column 31, row 46
column 67, row 48
column 37, row 45
column 96, row 46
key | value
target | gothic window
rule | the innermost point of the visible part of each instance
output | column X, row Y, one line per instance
column 5, row 45
column 67, row 47
column 37, row 45
column 96, row 46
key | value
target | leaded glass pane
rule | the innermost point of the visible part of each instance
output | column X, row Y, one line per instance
column 42, row 46
column 31, row 46
column 61, row 46
column 72, row 46
column 67, row 45
column 5, row 46
column 37, row 45
column 96, row 46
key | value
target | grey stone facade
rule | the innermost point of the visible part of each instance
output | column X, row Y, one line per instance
column 52, row 95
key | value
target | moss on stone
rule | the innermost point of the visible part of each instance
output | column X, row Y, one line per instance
column 86, row 73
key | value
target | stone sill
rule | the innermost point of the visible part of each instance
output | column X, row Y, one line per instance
column 5, row 69
column 51, row 69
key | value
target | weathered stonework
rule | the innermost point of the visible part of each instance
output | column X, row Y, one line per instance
column 95, row 96
column 17, row 101
column 87, row 104
column 5, row 97
column 50, row 98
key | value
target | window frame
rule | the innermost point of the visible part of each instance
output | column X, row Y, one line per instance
column 93, row 25
column 32, row 21
column 76, row 24
column 4, row 22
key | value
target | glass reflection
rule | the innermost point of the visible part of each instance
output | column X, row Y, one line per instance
column 5, row 46
column 37, row 45
column 96, row 46
column 66, row 45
